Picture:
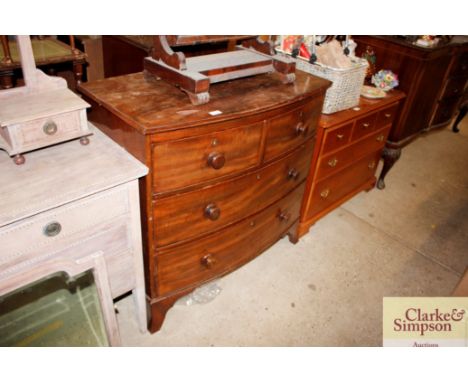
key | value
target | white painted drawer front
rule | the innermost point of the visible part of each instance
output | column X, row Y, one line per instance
column 83, row 215
column 47, row 131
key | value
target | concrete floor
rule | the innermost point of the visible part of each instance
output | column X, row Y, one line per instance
column 409, row 240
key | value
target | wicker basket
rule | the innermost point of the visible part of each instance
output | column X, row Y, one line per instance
column 346, row 88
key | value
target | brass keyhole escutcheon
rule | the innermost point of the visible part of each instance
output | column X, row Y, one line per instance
column 371, row 165
column 340, row 136
column 333, row 162
column 324, row 194
column 380, row 138
column 365, row 125
column 50, row 128
column 208, row 261
column 52, row 229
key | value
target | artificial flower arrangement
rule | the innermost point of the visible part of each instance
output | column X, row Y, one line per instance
column 385, row 80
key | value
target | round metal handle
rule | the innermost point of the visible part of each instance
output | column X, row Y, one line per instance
column 293, row 174
column 387, row 115
column 52, row 229
column 380, row 138
column 366, row 125
column 208, row 261
column 216, row 160
column 50, row 128
column 212, row 211
column 324, row 194
column 371, row 165
column 333, row 162
column 283, row 216
column 301, row 129
column 340, row 136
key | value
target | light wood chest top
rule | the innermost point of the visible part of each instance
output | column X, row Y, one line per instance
column 60, row 174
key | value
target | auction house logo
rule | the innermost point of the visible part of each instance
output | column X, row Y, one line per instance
column 425, row 321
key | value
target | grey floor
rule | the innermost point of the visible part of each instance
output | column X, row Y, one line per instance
column 409, row 240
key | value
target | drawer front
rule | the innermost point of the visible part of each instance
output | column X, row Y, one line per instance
column 227, row 249
column 337, row 137
column 332, row 189
column 454, row 87
column 56, row 226
column 335, row 162
column 364, row 126
column 184, row 216
column 290, row 130
column 386, row 116
column 47, row 131
column 178, row 164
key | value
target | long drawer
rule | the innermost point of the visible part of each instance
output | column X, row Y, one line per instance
column 332, row 189
column 201, row 260
column 335, row 162
column 186, row 162
column 191, row 214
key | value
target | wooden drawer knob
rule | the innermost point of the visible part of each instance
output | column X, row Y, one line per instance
column 301, row 129
column 293, row 174
column 380, row 138
column 212, row 211
column 283, row 216
column 324, row 194
column 216, row 160
column 208, row 261
column 49, row 128
column 52, row 229
column 333, row 162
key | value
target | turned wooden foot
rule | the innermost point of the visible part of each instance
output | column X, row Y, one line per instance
column 390, row 156
column 78, row 72
column 84, row 141
column 6, row 80
column 19, row 159
column 198, row 98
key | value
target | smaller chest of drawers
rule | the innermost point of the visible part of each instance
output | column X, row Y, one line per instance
column 347, row 152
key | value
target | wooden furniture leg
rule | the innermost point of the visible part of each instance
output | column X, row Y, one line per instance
column 6, row 50
column 6, row 79
column 78, row 71
column 460, row 116
column 390, row 156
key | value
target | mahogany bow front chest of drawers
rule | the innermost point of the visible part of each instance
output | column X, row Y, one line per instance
column 226, row 178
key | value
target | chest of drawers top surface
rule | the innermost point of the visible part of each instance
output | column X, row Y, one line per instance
column 365, row 106
column 63, row 173
column 153, row 106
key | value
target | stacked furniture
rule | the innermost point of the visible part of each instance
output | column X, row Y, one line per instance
column 433, row 78
column 348, row 149
column 226, row 178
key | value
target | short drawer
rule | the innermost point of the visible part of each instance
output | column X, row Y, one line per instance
column 330, row 190
column 287, row 131
column 190, row 214
column 364, row 126
column 386, row 116
column 336, row 138
column 207, row 258
column 336, row 161
column 177, row 164
column 47, row 131
column 455, row 87
column 53, row 228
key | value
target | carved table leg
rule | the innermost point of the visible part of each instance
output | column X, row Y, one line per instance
column 390, row 156
column 78, row 72
column 460, row 116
